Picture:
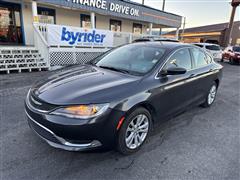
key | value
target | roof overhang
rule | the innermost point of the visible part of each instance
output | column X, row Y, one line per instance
column 121, row 9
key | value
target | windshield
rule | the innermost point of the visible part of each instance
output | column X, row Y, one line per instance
column 213, row 47
column 137, row 59
column 236, row 49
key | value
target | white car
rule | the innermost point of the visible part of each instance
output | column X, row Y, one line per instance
column 213, row 49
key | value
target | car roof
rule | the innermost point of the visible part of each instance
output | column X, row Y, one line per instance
column 206, row 44
column 164, row 44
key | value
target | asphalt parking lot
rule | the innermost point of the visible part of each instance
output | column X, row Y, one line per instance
column 199, row 144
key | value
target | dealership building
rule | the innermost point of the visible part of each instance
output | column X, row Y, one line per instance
column 58, row 32
column 214, row 33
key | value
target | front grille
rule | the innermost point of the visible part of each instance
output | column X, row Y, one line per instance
column 38, row 104
column 42, row 132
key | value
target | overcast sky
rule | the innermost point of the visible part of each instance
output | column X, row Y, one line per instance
column 197, row 12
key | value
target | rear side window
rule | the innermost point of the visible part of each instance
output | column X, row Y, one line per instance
column 199, row 57
column 180, row 58
column 213, row 47
column 199, row 45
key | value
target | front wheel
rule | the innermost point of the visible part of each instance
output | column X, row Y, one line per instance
column 211, row 96
column 134, row 131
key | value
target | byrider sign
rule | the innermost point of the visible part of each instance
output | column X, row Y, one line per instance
column 105, row 5
column 74, row 36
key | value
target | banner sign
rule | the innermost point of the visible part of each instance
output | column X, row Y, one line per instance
column 74, row 36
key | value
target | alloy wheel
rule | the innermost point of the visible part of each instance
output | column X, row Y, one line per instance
column 212, row 94
column 137, row 131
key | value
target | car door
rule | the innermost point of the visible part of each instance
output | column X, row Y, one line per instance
column 175, row 91
column 202, row 70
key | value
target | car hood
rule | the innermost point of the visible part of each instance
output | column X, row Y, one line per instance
column 85, row 84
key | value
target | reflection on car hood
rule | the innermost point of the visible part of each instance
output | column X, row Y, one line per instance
column 84, row 85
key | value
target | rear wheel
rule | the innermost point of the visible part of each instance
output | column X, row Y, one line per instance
column 211, row 96
column 134, row 131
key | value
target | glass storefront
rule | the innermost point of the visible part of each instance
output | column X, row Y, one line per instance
column 10, row 24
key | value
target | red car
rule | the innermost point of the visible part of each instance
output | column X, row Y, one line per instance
column 232, row 53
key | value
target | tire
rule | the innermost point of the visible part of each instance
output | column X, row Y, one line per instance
column 222, row 60
column 210, row 95
column 125, row 134
column 231, row 61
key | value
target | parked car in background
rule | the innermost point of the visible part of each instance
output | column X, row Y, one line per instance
column 232, row 54
column 117, row 98
column 214, row 49
column 154, row 38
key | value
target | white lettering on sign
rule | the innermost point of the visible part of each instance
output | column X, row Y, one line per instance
column 123, row 9
column 100, row 4
column 113, row 7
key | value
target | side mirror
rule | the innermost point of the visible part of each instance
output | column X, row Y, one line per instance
column 172, row 71
column 230, row 50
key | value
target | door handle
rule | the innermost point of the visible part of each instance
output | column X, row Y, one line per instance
column 192, row 75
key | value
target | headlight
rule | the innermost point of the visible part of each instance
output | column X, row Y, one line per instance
column 82, row 111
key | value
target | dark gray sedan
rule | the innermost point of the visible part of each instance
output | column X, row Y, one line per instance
column 116, row 99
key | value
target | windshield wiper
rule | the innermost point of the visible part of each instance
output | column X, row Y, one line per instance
column 115, row 69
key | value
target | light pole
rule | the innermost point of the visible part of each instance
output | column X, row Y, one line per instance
column 183, row 30
column 142, row 2
column 163, row 8
column 163, row 5
column 228, row 38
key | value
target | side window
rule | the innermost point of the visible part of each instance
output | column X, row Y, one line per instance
column 199, row 57
column 181, row 58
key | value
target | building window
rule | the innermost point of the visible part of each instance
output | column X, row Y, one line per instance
column 46, row 15
column 137, row 28
column 85, row 21
column 10, row 24
column 115, row 25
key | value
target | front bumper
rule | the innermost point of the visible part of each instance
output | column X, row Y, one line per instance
column 57, row 141
column 74, row 134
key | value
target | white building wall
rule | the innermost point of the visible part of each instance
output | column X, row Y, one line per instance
column 67, row 17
